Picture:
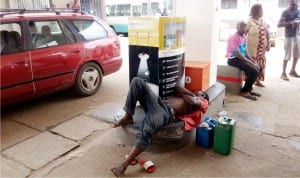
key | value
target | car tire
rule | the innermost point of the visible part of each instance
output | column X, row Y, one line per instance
column 88, row 79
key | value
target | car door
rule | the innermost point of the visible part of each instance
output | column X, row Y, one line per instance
column 55, row 55
column 16, row 71
column 97, row 44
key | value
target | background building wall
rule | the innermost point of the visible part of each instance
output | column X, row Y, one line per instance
column 62, row 3
column 4, row 4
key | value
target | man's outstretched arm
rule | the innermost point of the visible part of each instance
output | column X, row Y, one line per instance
column 188, row 96
column 181, row 90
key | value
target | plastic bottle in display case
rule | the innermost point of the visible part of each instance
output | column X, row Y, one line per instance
column 143, row 69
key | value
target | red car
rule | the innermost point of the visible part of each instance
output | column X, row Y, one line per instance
column 49, row 50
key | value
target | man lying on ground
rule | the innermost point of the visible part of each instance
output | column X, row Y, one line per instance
column 186, row 106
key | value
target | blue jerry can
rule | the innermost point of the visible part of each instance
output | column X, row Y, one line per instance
column 204, row 136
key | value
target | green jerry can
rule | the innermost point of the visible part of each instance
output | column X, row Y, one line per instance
column 224, row 135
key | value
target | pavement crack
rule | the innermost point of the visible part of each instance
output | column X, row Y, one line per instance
column 266, row 133
column 60, row 157
column 26, row 125
column 294, row 135
column 243, row 152
column 59, row 123
column 10, row 158
column 58, row 134
column 94, row 132
column 278, row 136
column 65, row 161
column 81, row 139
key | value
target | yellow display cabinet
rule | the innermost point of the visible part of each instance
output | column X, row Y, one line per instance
column 162, row 32
column 156, row 52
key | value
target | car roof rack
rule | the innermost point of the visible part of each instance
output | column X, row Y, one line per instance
column 57, row 11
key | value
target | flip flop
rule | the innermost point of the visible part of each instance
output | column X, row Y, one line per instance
column 255, row 94
column 147, row 165
column 133, row 162
column 249, row 97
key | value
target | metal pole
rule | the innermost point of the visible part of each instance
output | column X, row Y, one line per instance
column 149, row 7
column 103, row 9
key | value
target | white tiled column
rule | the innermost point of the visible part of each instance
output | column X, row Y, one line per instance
column 201, row 31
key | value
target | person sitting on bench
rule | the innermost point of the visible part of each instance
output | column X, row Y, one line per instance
column 186, row 106
column 238, row 57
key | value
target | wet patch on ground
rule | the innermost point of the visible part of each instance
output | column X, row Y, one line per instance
column 107, row 112
column 295, row 144
column 254, row 120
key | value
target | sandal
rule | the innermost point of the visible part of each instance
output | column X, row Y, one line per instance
column 255, row 94
column 248, row 96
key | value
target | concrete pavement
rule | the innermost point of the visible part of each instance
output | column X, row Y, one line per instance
column 57, row 138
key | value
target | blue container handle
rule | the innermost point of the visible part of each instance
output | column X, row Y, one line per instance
column 210, row 121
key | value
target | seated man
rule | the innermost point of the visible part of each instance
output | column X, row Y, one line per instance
column 238, row 57
column 46, row 39
column 159, row 113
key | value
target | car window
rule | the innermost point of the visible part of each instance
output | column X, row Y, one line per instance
column 90, row 29
column 11, row 38
column 68, row 34
column 46, row 34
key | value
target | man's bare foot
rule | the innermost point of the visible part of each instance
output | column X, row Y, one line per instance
column 259, row 84
column 294, row 74
column 284, row 77
column 127, row 119
column 118, row 171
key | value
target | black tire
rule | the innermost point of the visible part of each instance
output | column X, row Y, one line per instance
column 88, row 79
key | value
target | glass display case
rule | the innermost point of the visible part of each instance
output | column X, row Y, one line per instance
column 156, row 52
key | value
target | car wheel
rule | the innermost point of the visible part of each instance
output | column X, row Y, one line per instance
column 88, row 80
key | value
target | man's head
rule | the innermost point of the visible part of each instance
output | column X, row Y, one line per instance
column 46, row 31
column 293, row 4
column 241, row 27
column 202, row 94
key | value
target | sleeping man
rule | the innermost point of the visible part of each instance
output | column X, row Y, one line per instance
column 186, row 106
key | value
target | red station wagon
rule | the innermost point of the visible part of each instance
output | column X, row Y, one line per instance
column 43, row 51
